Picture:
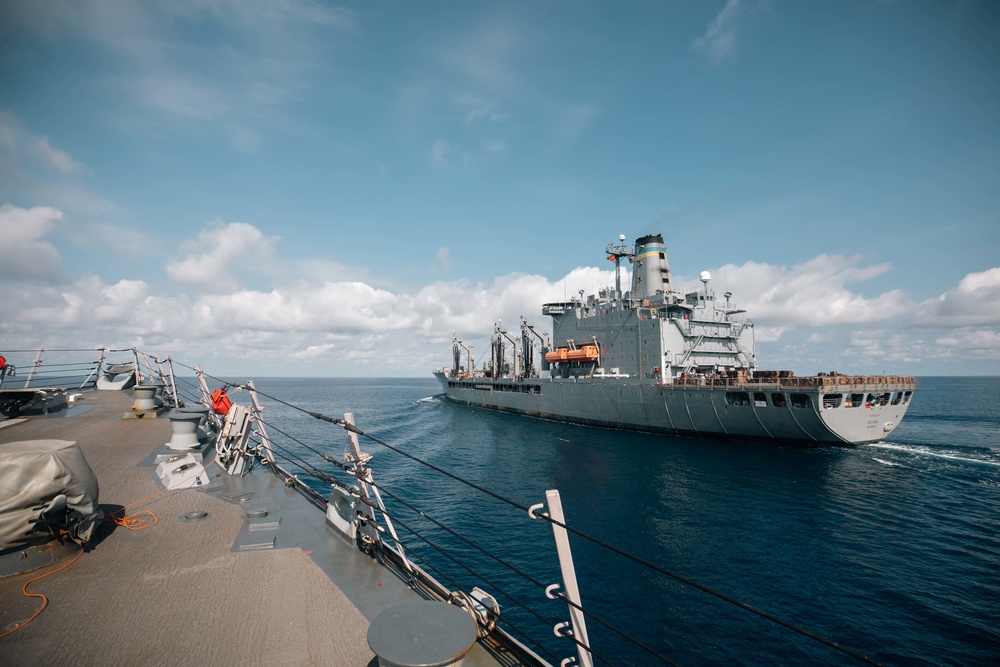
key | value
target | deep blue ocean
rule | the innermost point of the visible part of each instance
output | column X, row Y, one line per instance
column 890, row 549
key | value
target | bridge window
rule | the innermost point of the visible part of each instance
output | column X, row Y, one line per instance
column 906, row 397
column 759, row 399
column 778, row 400
column 855, row 401
column 897, row 398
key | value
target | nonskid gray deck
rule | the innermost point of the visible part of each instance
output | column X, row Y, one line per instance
column 194, row 592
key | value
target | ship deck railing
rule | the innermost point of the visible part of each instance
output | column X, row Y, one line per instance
column 838, row 382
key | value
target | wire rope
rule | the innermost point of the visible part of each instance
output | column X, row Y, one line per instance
column 510, row 625
column 524, row 575
column 641, row 561
column 480, row 577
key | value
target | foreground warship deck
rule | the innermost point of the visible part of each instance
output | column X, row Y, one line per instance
column 192, row 592
column 244, row 563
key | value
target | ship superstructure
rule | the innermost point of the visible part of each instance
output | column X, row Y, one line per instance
column 652, row 331
column 657, row 359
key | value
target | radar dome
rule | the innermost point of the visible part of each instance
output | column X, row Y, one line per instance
column 705, row 276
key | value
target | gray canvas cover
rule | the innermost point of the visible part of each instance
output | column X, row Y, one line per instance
column 32, row 473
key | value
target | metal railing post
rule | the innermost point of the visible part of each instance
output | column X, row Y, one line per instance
column 205, row 393
column 168, row 380
column 206, row 399
column 572, row 591
column 34, row 367
column 138, row 366
column 173, row 382
column 369, row 493
column 261, row 429
column 96, row 371
column 149, row 367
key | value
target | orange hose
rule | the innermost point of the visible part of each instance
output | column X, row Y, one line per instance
column 135, row 521
column 132, row 521
column 45, row 600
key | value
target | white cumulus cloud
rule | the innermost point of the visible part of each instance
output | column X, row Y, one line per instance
column 323, row 318
column 811, row 294
column 975, row 301
column 24, row 252
column 979, row 340
column 215, row 260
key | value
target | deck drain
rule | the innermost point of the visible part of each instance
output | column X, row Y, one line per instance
column 256, row 514
column 195, row 515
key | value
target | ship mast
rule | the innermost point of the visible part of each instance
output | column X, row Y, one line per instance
column 615, row 254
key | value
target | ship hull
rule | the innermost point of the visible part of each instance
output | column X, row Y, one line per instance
column 827, row 411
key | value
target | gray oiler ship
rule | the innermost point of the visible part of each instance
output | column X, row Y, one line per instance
column 658, row 360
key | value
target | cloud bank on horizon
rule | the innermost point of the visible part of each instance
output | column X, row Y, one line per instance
column 308, row 189
column 304, row 324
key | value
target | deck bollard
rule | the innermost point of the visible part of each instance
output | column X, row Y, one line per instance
column 185, row 430
column 203, row 424
column 145, row 397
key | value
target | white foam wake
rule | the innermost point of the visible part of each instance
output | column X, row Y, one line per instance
column 887, row 463
column 951, row 455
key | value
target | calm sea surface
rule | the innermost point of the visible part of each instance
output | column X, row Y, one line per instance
column 891, row 549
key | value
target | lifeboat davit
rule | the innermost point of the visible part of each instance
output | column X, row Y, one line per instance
column 583, row 353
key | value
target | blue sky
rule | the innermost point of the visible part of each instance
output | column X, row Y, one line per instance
column 303, row 188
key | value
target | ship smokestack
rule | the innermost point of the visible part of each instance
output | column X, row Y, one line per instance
column 651, row 273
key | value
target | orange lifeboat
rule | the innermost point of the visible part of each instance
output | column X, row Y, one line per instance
column 583, row 353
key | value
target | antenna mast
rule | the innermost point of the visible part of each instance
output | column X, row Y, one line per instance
column 615, row 254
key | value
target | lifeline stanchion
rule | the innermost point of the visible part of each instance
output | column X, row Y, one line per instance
column 572, row 594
